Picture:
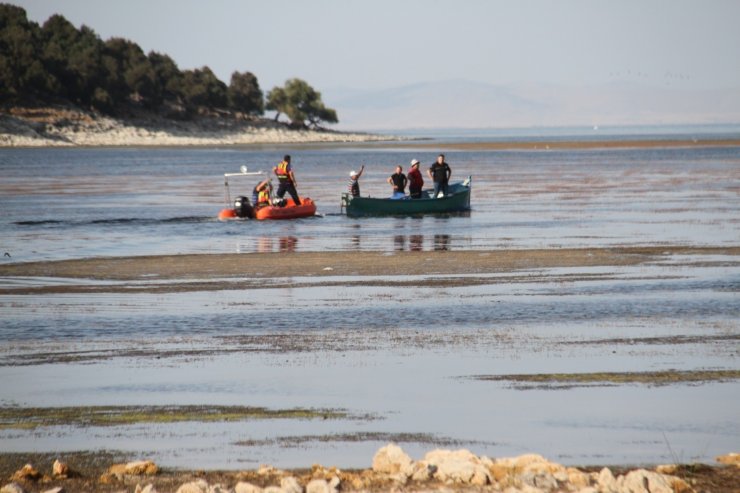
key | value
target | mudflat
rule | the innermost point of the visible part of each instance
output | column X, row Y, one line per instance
column 304, row 264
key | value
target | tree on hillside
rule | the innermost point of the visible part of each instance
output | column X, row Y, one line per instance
column 277, row 101
column 245, row 95
column 201, row 87
column 21, row 69
column 73, row 57
column 168, row 77
column 130, row 73
column 301, row 103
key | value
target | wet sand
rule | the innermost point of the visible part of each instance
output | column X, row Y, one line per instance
column 304, row 264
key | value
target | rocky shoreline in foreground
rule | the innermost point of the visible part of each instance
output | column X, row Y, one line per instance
column 65, row 126
column 392, row 470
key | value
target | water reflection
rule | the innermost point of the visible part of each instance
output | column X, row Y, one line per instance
column 415, row 243
column 441, row 242
column 266, row 244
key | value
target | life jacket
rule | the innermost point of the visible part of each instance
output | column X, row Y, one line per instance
column 282, row 171
column 264, row 196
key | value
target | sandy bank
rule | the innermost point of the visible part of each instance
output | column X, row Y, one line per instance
column 282, row 265
column 68, row 127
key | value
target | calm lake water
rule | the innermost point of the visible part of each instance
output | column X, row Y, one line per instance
column 404, row 356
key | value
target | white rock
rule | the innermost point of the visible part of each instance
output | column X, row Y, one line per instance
column 198, row 486
column 458, row 466
column 244, row 487
column 320, row 486
column 291, row 485
column 58, row 489
column 218, row 488
column 391, row 459
column 147, row 489
column 12, row 488
column 606, row 481
column 273, row 489
column 643, row 481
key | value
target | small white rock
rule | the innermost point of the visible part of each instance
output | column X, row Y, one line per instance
column 198, row 486
column 12, row 488
column 291, row 485
column 244, row 487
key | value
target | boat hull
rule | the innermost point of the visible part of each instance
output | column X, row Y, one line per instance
column 457, row 200
column 289, row 211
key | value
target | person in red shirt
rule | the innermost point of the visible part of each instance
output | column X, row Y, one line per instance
column 416, row 181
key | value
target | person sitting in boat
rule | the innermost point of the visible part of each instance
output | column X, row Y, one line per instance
column 284, row 172
column 398, row 181
column 440, row 173
column 354, row 183
column 416, row 181
column 261, row 193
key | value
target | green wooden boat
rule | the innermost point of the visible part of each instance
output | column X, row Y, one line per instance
column 456, row 200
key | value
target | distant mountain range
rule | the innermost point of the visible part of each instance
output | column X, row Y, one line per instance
column 466, row 104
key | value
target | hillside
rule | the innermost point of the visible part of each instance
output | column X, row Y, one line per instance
column 466, row 104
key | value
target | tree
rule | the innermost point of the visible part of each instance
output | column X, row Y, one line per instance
column 201, row 87
column 245, row 95
column 277, row 101
column 21, row 70
column 168, row 77
column 300, row 102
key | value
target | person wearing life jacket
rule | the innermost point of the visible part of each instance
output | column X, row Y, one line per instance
column 287, row 180
column 261, row 194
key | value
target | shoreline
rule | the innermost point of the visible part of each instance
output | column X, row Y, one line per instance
column 65, row 126
column 49, row 127
column 392, row 470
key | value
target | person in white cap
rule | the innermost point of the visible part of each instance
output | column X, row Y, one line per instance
column 416, row 181
column 354, row 184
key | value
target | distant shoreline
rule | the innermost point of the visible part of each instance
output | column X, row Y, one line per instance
column 544, row 145
column 65, row 126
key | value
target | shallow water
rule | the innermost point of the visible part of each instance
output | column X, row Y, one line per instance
column 404, row 355
column 71, row 203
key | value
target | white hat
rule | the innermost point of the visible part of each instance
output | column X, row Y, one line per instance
column 352, row 173
column 414, row 161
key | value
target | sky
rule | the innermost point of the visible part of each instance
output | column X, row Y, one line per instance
column 378, row 44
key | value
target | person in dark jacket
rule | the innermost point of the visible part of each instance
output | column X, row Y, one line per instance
column 440, row 174
column 398, row 181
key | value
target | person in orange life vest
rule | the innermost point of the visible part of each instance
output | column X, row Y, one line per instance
column 354, row 183
column 261, row 193
column 285, row 175
column 416, row 181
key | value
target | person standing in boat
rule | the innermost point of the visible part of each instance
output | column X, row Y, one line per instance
column 354, row 183
column 416, row 181
column 398, row 181
column 440, row 173
column 284, row 172
column 261, row 193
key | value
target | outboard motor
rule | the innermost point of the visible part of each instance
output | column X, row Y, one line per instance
column 243, row 208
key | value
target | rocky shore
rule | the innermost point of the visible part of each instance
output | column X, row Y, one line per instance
column 392, row 470
column 64, row 126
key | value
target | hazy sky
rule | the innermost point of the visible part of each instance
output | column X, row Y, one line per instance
column 375, row 44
